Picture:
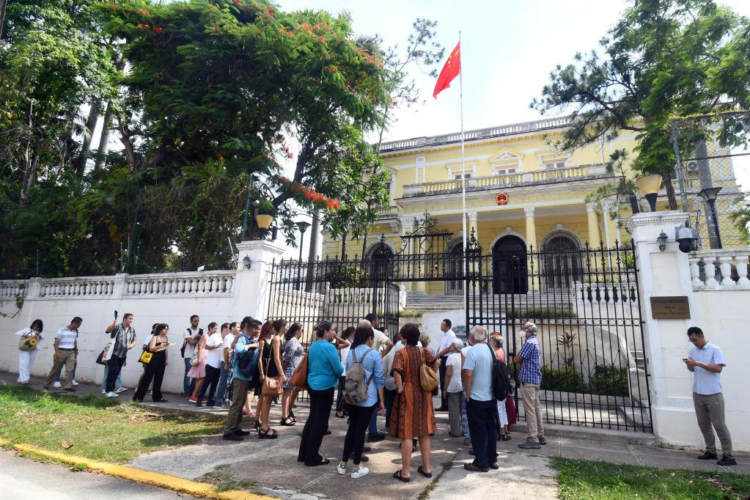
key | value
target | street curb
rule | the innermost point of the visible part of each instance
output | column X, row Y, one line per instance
column 165, row 481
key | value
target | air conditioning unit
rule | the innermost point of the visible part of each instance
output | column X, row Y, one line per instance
column 692, row 166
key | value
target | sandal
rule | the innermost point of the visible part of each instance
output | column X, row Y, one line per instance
column 323, row 461
column 162, row 400
column 287, row 422
column 505, row 437
column 425, row 474
column 339, row 415
column 267, row 434
column 397, row 475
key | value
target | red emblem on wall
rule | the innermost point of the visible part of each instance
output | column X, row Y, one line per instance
column 502, row 199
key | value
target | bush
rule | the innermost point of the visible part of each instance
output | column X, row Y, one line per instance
column 609, row 381
column 565, row 380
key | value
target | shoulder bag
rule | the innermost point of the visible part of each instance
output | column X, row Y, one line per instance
column 299, row 377
column 27, row 342
column 427, row 378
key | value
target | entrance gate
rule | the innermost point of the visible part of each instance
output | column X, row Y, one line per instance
column 589, row 325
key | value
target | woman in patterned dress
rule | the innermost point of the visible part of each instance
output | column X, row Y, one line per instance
column 291, row 358
column 412, row 415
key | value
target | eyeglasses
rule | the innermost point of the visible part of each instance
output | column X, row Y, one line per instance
column 694, row 340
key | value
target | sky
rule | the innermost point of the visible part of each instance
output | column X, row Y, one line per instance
column 508, row 49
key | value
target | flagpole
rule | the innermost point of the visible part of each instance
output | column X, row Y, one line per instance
column 463, row 176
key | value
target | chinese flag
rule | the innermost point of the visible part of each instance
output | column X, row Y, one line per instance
column 450, row 71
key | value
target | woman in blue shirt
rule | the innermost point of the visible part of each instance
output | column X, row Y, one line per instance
column 361, row 413
column 323, row 370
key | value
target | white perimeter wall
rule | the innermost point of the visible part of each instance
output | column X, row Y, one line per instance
column 97, row 314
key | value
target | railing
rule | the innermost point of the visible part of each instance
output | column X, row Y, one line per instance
column 513, row 129
column 720, row 270
column 12, row 288
column 78, row 287
column 567, row 174
column 212, row 282
column 387, row 212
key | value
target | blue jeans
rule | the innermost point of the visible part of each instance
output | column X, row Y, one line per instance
column 221, row 393
column 57, row 377
column 188, row 384
column 465, row 419
column 118, row 382
column 372, row 429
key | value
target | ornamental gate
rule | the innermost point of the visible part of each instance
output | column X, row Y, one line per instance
column 583, row 300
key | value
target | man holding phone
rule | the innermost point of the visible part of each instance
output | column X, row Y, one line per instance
column 706, row 361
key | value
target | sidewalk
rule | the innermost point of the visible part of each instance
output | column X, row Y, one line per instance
column 273, row 466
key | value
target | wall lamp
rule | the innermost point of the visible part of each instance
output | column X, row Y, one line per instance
column 662, row 241
column 247, row 262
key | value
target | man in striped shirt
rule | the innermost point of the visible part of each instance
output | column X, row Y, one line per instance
column 66, row 352
column 530, row 376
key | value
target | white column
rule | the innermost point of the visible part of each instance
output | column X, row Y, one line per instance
column 725, row 264
column 407, row 227
column 530, row 228
column 251, row 286
column 595, row 238
column 473, row 216
column 742, row 270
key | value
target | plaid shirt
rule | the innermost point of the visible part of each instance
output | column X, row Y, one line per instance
column 124, row 337
column 531, row 368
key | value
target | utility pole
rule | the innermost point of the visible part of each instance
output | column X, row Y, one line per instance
column 3, row 6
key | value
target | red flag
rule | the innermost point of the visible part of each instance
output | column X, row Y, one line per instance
column 450, row 71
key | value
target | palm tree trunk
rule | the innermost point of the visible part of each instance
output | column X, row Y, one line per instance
column 88, row 136
column 3, row 6
column 101, row 152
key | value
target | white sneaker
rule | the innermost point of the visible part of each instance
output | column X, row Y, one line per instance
column 75, row 383
column 341, row 469
column 57, row 385
column 112, row 395
column 121, row 389
column 363, row 471
column 104, row 391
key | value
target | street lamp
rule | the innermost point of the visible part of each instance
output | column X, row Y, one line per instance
column 709, row 196
column 302, row 226
column 649, row 187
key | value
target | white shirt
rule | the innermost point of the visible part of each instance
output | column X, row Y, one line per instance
column 67, row 338
column 226, row 345
column 214, row 356
column 390, row 382
column 344, row 352
column 29, row 332
column 379, row 341
column 147, row 340
column 448, row 338
column 454, row 361
column 706, row 382
column 400, row 345
column 190, row 348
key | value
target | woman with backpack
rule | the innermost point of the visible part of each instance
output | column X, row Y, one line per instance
column 496, row 342
column 413, row 415
column 323, row 371
column 363, row 391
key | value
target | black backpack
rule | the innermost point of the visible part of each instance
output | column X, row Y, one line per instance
column 502, row 383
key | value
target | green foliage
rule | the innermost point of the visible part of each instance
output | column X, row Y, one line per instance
column 628, row 261
column 663, row 59
column 609, row 380
column 584, row 480
column 741, row 218
column 565, row 380
column 347, row 276
column 539, row 313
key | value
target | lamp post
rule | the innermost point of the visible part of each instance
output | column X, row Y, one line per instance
column 649, row 187
column 709, row 196
column 302, row 226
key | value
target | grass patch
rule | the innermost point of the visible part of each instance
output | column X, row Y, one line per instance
column 225, row 482
column 94, row 427
column 601, row 480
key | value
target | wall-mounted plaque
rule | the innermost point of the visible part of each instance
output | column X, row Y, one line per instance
column 670, row 308
column 502, row 199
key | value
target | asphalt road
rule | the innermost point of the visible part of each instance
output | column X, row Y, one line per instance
column 28, row 480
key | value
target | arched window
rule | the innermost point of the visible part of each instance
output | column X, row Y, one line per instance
column 562, row 262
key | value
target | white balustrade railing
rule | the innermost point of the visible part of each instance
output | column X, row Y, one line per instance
column 720, row 269
column 78, row 287
column 197, row 283
column 12, row 288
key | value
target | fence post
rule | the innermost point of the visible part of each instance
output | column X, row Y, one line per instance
column 665, row 274
column 251, row 285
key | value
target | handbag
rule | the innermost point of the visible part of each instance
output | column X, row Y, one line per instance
column 195, row 359
column 270, row 386
column 106, row 353
column 299, row 377
column 27, row 343
column 427, row 378
column 146, row 357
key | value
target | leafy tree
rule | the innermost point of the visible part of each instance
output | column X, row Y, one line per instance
column 663, row 59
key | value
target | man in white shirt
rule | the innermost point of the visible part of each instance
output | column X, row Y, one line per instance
column 706, row 361
column 66, row 352
column 445, row 346
column 377, row 345
column 191, row 337
column 228, row 334
column 213, row 365
column 453, row 390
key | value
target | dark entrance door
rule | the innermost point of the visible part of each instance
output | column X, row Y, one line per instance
column 562, row 263
column 509, row 274
column 454, row 271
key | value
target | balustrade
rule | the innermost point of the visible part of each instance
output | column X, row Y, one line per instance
column 720, row 269
column 205, row 283
column 77, row 287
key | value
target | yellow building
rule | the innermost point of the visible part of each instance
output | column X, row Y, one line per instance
column 520, row 191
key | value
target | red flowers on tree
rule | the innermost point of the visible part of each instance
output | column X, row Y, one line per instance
column 309, row 193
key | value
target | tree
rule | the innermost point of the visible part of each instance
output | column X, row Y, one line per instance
column 663, row 59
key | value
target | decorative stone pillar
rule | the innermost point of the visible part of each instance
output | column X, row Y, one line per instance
column 742, row 270
column 725, row 264
column 251, row 286
column 473, row 227
column 595, row 239
column 530, row 228
column 407, row 227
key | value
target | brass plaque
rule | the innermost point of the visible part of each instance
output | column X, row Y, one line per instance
column 670, row 308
